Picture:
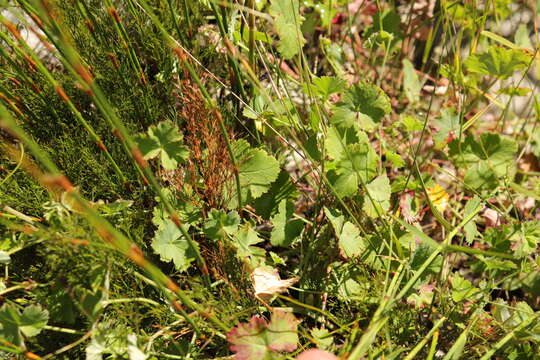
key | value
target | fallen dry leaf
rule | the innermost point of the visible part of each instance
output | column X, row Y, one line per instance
column 528, row 163
column 492, row 218
column 525, row 204
column 267, row 283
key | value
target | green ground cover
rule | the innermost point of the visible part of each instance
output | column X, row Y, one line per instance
column 269, row 179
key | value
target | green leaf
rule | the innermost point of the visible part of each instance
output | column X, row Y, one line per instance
column 496, row 264
column 520, row 312
column 456, row 351
column 33, row 320
column 345, row 184
column 220, row 224
column 420, row 255
column 328, row 85
column 411, row 123
column 336, row 219
column 258, row 108
column 394, row 158
column 349, row 284
column 257, row 169
column 350, row 242
column 411, row 83
column 133, row 350
column 91, row 302
column 169, row 244
column 13, row 324
column 497, row 61
column 422, row 297
column 522, row 37
column 182, row 201
column 243, row 240
column 388, row 21
column 288, row 22
column 283, row 188
column 463, row 289
column 500, row 153
column 259, row 340
column 313, row 149
column 382, row 39
column 94, row 349
column 514, row 91
column 322, row 337
column 60, row 305
column 525, row 237
column 9, row 328
column 367, row 99
column 448, row 126
column 498, row 239
column 286, row 228
column 481, row 176
column 165, row 141
column 4, row 258
column 337, row 139
column 380, row 191
column 503, row 8
column 117, row 207
column 108, row 339
column 344, row 116
column 358, row 165
column 276, row 259
column 259, row 36
column 486, row 160
column 282, row 331
column 470, row 228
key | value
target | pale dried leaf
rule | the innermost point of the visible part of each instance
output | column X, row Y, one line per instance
column 492, row 218
column 526, row 204
column 267, row 283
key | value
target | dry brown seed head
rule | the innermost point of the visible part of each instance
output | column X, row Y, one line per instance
column 139, row 158
column 60, row 91
column 114, row 14
column 136, row 255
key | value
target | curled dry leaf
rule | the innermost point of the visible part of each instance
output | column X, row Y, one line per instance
column 528, row 163
column 439, row 90
column 525, row 204
column 316, row 354
column 267, row 283
column 492, row 218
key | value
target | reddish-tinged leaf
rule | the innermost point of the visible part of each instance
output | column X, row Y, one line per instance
column 247, row 339
column 316, row 354
column 282, row 334
column 257, row 339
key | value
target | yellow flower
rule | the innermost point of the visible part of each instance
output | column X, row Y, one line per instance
column 438, row 197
